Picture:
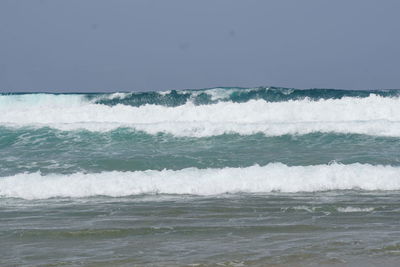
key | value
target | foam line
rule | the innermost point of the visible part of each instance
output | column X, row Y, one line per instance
column 373, row 115
column 255, row 179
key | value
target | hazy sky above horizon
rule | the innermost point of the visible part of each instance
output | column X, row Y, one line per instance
column 97, row 45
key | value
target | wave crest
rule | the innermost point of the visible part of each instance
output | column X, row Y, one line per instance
column 255, row 179
column 373, row 115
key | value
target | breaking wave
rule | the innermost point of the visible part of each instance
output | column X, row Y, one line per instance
column 370, row 114
column 256, row 179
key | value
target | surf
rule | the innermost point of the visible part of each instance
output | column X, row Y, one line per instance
column 273, row 177
column 373, row 114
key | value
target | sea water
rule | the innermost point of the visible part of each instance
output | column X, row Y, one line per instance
column 211, row 177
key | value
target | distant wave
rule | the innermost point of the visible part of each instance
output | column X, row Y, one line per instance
column 255, row 179
column 237, row 95
column 173, row 98
column 370, row 114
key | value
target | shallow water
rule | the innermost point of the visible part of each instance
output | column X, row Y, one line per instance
column 332, row 228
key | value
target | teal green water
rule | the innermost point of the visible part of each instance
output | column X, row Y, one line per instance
column 175, row 98
column 48, row 150
column 158, row 179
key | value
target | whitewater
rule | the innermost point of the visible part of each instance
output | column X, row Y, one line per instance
column 221, row 176
column 123, row 144
column 371, row 115
column 270, row 178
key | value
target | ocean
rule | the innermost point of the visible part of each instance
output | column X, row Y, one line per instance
column 213, row 177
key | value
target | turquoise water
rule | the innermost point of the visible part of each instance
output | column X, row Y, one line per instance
column 211, row 177
column 127, row 150
column 239, row 95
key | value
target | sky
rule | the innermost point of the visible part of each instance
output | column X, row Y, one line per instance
column 140, row 45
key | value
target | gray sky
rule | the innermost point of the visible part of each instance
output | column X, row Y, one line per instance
column 97, row 45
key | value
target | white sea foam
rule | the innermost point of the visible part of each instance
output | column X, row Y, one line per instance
column 42, row 101
column 216, row 93
column 355, row 209
column 255, row 179
column 302, row 208
column 373, row 115
column 117, row 95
